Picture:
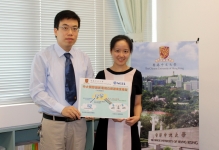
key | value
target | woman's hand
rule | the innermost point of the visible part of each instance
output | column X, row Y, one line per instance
column 132, row 120
column 118, row 120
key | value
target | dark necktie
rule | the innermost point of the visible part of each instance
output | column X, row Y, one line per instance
column 70, row 85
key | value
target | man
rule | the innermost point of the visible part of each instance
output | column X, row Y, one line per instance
column 54, row 86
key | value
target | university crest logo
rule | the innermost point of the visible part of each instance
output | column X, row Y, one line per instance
column 86, row 80
column 164, row 52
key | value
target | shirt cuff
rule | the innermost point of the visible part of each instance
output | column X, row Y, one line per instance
column 58, row 107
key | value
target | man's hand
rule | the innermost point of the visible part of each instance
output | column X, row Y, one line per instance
column 132, row 120
column 71, row 112
column 89, row 118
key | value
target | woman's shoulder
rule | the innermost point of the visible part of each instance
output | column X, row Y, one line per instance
column 100, row 75
column 101, row 72
column 138, row 73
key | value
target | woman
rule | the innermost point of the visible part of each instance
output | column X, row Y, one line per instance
column 121, row 134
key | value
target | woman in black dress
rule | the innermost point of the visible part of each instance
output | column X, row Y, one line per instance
column 121, row 134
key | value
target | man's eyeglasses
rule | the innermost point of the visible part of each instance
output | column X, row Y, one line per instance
column 66, row 28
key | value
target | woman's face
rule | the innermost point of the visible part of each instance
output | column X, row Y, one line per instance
column 120, row 53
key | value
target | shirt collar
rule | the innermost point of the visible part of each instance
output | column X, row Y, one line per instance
column 61, row 52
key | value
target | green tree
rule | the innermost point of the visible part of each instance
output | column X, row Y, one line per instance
column 146, row 126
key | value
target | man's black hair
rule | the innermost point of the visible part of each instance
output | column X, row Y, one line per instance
column 66, row 14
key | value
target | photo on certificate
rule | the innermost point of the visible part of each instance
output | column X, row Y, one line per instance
column 104, row 98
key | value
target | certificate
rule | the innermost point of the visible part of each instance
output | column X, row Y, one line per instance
column 104, row 98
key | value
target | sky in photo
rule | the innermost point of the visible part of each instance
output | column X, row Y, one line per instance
column 184, row 55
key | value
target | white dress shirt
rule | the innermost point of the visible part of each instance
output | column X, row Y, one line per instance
column 47, row 80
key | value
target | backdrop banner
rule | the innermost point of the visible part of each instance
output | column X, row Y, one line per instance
column 170, row 95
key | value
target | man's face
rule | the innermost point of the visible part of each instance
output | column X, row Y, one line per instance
column 67, row 33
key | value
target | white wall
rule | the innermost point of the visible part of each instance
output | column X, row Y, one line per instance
column 186, row 20
column 18, row 115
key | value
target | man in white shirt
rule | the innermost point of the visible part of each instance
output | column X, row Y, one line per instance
column 62, row 126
